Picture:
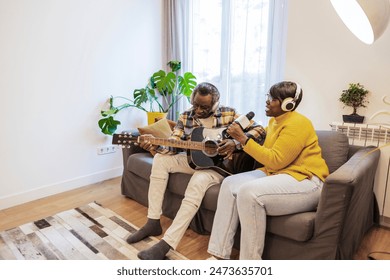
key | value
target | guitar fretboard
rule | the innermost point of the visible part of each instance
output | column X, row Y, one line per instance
column 191, row 145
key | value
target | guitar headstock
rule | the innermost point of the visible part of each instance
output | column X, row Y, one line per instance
column 124, row 139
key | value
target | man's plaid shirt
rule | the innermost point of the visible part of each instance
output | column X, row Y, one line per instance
column 223, row 117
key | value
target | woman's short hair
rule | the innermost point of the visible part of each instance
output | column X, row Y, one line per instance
column 287, row 89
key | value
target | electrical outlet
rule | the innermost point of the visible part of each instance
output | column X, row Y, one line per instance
column 106, row 150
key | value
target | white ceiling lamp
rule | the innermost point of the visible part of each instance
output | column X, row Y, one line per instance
column 367, row 19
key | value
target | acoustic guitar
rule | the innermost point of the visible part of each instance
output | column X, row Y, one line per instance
column 201, row 149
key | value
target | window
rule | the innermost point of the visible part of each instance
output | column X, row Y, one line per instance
column 238, row 45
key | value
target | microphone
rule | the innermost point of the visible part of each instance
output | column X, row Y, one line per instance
column 243, row 121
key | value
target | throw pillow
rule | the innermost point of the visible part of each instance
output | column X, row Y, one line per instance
column 159, row 129
column 172, row 124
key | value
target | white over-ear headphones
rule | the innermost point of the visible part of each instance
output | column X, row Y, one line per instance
column 288, row 104
column 215, row 106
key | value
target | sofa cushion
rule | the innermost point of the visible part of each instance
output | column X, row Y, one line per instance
column 211, row 198
column 298, row 227
column 334, row 148
column 178, row 182
column 140, row 164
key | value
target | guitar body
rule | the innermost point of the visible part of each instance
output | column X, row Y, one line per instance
column 209, row 157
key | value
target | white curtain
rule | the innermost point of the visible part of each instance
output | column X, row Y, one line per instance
column 238, row 45
column 176, row 40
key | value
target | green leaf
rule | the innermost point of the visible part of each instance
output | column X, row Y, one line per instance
column 108, row 125
column 109, row 112
column 140, row 96
column 165, row 82
column 187, row 83
column 175, row 65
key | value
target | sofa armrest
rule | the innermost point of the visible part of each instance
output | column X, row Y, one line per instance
column 346, row 198
column 132, row 148
column 357, row 166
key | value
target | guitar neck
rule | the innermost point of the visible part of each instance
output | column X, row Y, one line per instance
column 202, row 140
column 191, row 145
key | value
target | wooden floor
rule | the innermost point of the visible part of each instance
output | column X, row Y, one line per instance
column 376, row 243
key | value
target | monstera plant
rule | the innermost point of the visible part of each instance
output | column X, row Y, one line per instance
column 163, row 90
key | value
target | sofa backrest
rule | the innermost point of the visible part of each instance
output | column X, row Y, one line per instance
column 335, row 147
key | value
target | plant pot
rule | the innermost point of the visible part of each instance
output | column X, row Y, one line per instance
column 353, row 118
column 155, row 116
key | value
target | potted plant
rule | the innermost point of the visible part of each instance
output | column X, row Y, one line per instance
column 162, row 91
column 355, row 96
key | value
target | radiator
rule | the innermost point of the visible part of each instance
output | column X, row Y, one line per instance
column 364, row 134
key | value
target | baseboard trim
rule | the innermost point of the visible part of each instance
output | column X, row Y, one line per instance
column 59, row 187
column 384, row 221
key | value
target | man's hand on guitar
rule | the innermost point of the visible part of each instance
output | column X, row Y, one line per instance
column 146, row 145
column 226, row 148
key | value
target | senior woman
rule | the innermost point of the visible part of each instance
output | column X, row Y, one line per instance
column 290, row 180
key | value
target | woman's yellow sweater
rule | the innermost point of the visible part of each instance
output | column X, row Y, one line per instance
column 291, row 147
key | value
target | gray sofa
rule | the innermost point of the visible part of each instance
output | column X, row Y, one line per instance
column 334, row 231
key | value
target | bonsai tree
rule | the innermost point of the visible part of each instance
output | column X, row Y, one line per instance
column 355, row 96
column 162, row 91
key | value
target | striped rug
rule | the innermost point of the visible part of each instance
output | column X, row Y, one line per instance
column 89, row 232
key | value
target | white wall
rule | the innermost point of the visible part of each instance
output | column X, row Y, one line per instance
column 324, row 56
column 59, row 62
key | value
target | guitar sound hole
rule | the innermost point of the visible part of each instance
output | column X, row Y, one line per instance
column 210, row 148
